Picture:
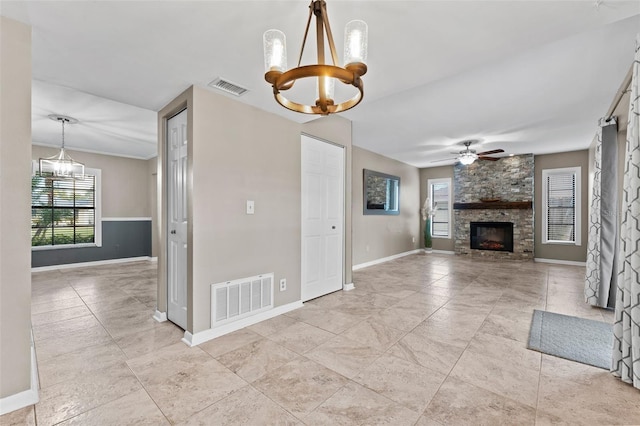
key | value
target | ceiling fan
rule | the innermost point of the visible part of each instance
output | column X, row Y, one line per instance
column 468, row 156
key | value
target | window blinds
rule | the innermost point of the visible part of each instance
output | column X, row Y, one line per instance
column 62, row 210
column 561, row 206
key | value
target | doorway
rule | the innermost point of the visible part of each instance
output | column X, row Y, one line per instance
column 323, row 238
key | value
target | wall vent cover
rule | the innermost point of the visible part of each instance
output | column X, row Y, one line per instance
column 228, row 87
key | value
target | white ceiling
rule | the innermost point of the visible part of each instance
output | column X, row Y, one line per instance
column 525, row 76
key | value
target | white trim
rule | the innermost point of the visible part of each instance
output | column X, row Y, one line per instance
column 153, row 259
column 212, row 333
column 384, row 259
column 25, row 398
column 560, row 262
column 93, row 263
column 577, row 208
column 160, row 316
column 348, row 287
column 124, row 219
column 449, row 204
column 443, row 252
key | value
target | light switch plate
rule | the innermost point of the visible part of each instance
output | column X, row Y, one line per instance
column 250, row 207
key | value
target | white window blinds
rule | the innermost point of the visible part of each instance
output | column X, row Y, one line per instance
column 561, row 205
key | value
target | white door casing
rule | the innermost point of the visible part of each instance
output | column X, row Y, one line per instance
column 177, row 219
column 322, row 218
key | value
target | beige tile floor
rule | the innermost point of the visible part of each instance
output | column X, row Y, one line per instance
column 422, row 340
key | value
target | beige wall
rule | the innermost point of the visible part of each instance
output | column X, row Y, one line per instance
column 337, row 130
column 239, row 153
column 242, row 153
column 152, row 187
column 15, row 206
column 553, row 161
column 125, row 181
column 379, row 236
column 447, row 244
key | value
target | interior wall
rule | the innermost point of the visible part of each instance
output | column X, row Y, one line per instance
column 152, row 174
column 445, row 244
column 380, row 236
column 15, row 207
column 567, row 252
column 242, row 153
column 126, row 210
column 338, row 130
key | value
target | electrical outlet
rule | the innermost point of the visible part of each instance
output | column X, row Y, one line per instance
column 283, row 284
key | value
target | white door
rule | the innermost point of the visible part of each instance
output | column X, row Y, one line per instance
column 322, row 217
column 177, row 219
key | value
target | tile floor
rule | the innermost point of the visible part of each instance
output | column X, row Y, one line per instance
column 422, row 340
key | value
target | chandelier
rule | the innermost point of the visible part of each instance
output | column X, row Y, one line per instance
column 61, row 165
column 355, row 56
column 467, row 158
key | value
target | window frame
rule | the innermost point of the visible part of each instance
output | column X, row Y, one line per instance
column 97, row 225
column 577, row 207
column 448, row 181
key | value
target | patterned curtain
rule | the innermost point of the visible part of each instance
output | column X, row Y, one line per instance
column 626, row 328
column 592, row 278
column 602, row 247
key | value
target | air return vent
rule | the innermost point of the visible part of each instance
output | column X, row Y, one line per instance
column 228, row 87
column 237, row 299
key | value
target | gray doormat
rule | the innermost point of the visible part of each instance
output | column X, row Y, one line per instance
column 577, row 339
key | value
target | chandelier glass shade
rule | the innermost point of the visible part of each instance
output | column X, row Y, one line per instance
column 467, row 158
column 61, row 164
column 355, row 56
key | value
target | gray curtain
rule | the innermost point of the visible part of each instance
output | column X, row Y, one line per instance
column 626, row 327
column 600, row 279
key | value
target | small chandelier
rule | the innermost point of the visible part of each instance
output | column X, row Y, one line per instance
column 61, row 165
column 355, row 56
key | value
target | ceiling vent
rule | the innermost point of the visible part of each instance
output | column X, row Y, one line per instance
column 228, row 87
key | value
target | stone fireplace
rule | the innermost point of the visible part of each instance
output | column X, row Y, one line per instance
column 490, row 193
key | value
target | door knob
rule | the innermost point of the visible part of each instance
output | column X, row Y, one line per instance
column 173, row 231
column 333, row 227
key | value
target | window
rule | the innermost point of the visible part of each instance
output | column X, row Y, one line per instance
column 440, row 194
column 65, row 211
column 561, row 206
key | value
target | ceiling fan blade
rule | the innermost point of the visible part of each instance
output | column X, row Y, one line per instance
column 488, row 158
column 495, row 151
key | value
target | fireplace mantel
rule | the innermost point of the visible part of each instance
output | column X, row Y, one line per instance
column 498, row 205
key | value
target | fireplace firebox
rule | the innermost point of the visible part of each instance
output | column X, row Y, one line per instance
column 495, row 236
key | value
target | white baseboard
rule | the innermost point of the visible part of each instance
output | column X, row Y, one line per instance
column 160, row 316
column 384, row 259
column 560, row 262
column 212, row 333
column 94, row 263
column 348, row 287
column 25, row 398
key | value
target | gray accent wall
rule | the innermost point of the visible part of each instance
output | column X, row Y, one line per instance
column 120, row 239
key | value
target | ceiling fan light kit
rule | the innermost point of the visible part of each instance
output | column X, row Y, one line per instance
column 61, row 165
column 468, row 156
column 355, row 56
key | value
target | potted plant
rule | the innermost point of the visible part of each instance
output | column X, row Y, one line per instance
column 427, row 213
